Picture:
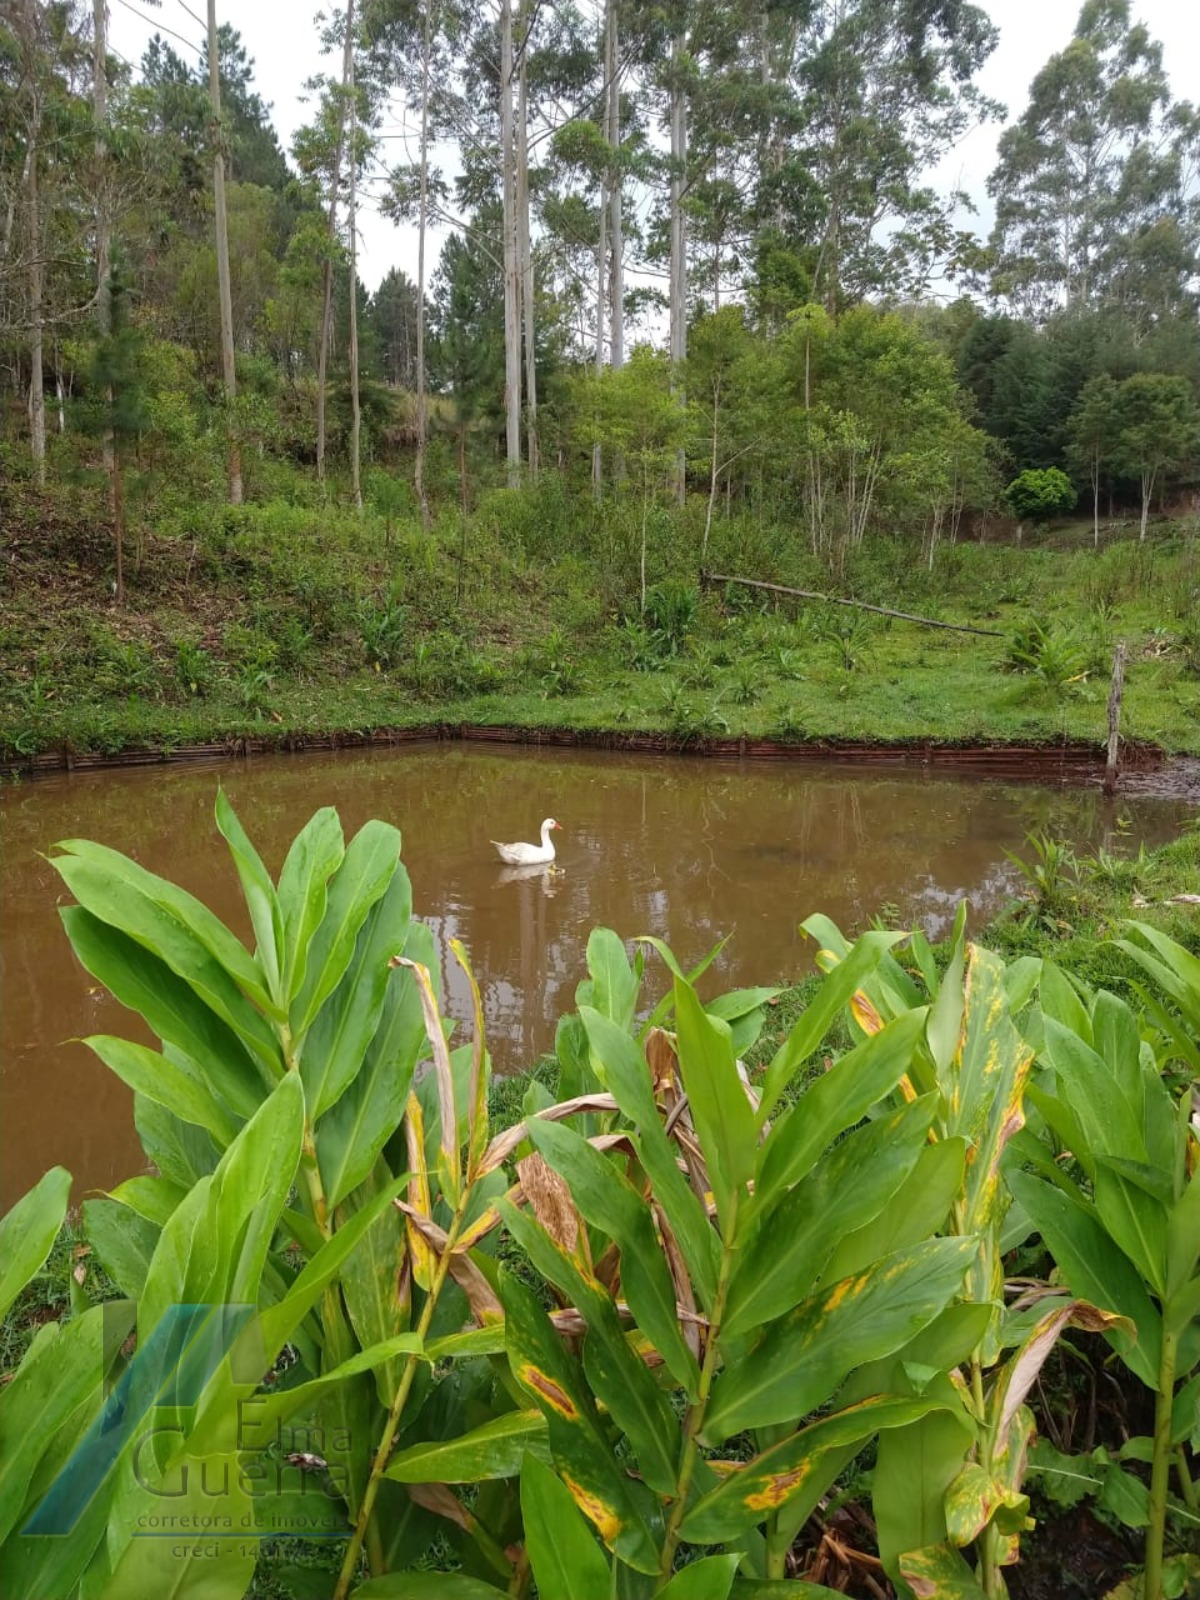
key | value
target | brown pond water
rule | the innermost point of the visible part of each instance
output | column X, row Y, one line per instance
column 688, row 849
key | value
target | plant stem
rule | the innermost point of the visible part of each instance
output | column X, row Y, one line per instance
column 374, row 1546
column 312, row 1178
column 1160, row 1471
column 309, row 1165
column 696, row 1413
column 990, row 1577
column 354, row 1548
column 522, row 1576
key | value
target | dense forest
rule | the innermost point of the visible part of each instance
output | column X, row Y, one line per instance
column 686, row 294
column 755, row 178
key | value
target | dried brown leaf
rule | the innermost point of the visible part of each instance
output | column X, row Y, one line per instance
column 660, row 1057
column 549, row 1197
column 443, row 1502
column 503, row 1145
column 484, row 1302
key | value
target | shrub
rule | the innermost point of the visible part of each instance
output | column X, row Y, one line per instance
column 670, row 614
column 444, row 664
column 699, row 671
column 127, row 667
column 249, row 647
column 747, row 684
column 847, row 633
column 1039, row 494
column 293, row 643
column 555, row 666
column 637, row 648
column 254, row 686
column 1051, row 654
column 193, row 667
column 381, row 631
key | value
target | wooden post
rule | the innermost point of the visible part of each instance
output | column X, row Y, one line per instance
column 1114, row 720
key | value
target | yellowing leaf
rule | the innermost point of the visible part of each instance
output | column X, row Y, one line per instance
column 975, row 1499
column 940, row 1573
column 865, row 1014
column 420, row 1202
column 747, row 1495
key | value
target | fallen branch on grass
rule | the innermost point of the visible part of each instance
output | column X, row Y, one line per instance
column 860, row 605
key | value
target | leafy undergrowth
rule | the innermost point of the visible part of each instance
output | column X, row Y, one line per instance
column 71, row 1268
column 1071, row 912
column 282, row 617
column 1076, row 916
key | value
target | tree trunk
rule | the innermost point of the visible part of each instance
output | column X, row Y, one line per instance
column 853, row 605
column 601, row 266
column 512, row 273
column 103, row 236
column 355, row 398
column 335, row 185
column 645, row 520
column 462, row 514
column 422, row 409
column 616, row 281
column 678, row 239
column 223, row 283
column 1147, row 495
column 1096, row 504
column 829, row 258
column 525, row 254
column 323, row 358
column 37, row 390
column 117, row 501
column 31, row 176
column 713, row 479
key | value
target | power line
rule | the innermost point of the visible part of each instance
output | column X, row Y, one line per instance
column 201, row 20
column 160, row 26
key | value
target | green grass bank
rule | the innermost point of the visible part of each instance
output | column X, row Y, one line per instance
column 287, row 617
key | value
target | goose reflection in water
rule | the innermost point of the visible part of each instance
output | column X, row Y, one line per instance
column 548, row 876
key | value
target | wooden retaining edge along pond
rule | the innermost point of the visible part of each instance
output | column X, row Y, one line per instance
column 1064, row 761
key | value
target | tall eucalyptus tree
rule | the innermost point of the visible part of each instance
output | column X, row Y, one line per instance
column 512, row 265
column 1095, row 188
column 352, row 222
column 228, row 360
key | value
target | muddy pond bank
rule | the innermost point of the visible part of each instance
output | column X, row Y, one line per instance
column 1046, row 761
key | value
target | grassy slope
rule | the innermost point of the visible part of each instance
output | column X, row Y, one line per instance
column 272, row 620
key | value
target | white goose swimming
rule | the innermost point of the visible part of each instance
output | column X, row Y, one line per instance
column 530, row 855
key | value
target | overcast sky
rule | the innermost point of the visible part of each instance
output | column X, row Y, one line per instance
column 286, row 51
